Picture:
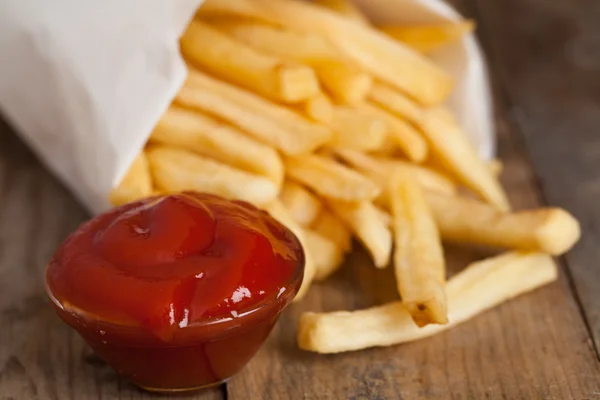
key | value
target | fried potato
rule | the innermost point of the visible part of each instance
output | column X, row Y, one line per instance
column 403, row 134
column 302, row 205
column 175, row 169
column 419, row 262
column 381, row 169
column 460, row 219
column 426, row 38
column 365, row 221
column 357, row 130
column 452, row 148
column 380, row 55
column 340, row 77
column 330, row 226
column 268, row 122
column 345, row 8
column 135, row 185
column 495, row 166
column 232, row 60
column 318, row 108
column 330, row 179
column 279, row 212
column 481, row 286
column 327, row 255
column 211, row 138
column 396, row 103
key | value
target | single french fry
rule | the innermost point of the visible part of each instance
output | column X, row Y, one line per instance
column 175, row 169
column 396, row 103
column 384, row 217
column 345, row 8
column 426, row 38
column 419, row 258
column 268, row 122
column 481, row 286
column 357, row 130
column 381, row 169
column 330, row 226
column 365, row 221
column 268, row 75
column 452, row 148
column 211, row 138
column 460, row 219
column 339, row 76
column 330, row 179
column 279, row 212
column 135, row 185
column 302, row 205
column 318, row 108
column 403, row 134
column 327, row 255
column 495, row 166
column 380, row 55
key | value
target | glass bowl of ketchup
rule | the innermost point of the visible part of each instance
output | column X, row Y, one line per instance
column 176, row 292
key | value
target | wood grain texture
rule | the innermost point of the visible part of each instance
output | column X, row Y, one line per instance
column 40, row 357
column 546, row 56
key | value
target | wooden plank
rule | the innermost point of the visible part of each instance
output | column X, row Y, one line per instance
column 547, row 57
column 40, row 357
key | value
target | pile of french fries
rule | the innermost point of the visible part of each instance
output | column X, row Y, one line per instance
column 337, row 128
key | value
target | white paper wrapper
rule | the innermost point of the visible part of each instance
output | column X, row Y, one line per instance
column 84, row 82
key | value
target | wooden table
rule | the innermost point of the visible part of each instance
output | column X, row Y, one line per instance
column 544, row 61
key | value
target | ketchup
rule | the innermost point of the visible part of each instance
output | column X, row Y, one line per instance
column 176, row 292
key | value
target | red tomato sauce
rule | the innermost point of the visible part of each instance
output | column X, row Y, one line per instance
column 176, row 291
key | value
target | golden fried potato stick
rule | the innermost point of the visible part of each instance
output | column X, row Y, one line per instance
column 419, row 262
column 330, row 226
column 175, row 169
column 481, row 286
column 495, row 166
column 135, row 185
column 318, row 108
column 381, row 169
column 302, row 205
column 452, row 148
column 211, row 138
column 460, row 219
column 426, row 38
column 279, row 212
column 365, row 221
column 395, row 102
column 330, row 179
column 354, row 129
column 328, row 256
column 345, row 8
column 340, row 77
column 268, row 122
column 380, row 55
column 404, row 135
column 268, row 75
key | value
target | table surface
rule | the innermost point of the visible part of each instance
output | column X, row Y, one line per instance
column 544, row 61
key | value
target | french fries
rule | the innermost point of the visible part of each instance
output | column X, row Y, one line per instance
column 404, row 135
column 330, row 179
column 209, row 137
column 267, row 75
column 418, row 259
column 302, row 205
column 268, row 122
column 327, row 255
column 452, row 148
column 481, row 286
column 175, row 169
column 426, row 38
column 381, row 56
column 365, row 221
column 340, row 77
column 135, row 185
column 336, row 129
column 550, row 230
